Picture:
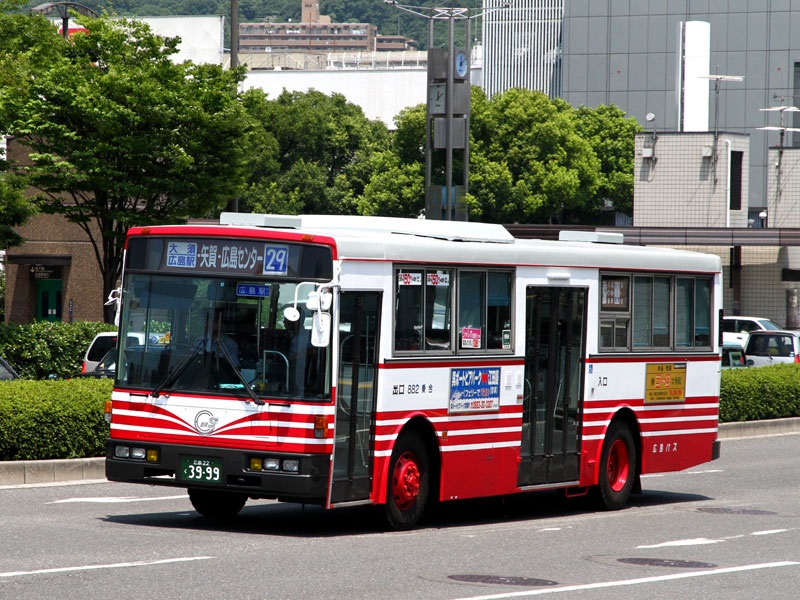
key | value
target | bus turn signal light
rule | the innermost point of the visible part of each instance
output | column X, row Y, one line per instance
column 320, row 427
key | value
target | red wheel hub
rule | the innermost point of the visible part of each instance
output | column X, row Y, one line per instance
column 405, row 481
column 618, row 465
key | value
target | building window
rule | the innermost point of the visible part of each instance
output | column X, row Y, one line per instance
column 735, row 182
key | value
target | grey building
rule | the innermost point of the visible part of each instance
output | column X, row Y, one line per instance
column 639, row 55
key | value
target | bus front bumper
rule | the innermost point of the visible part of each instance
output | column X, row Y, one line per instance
column 283, row 476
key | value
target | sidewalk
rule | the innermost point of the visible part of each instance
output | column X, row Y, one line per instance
column 23, row 472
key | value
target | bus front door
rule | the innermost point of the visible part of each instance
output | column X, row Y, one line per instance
column 555, row 337
column 359, row 316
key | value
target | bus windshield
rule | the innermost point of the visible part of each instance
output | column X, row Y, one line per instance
column 221, row 336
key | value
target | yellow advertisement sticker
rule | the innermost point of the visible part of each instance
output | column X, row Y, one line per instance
column 665, row 382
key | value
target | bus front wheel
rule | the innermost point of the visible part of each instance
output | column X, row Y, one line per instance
column 617, row 466
column 408, row 483
column 217, row 505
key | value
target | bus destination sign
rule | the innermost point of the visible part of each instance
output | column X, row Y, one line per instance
column 241, row 256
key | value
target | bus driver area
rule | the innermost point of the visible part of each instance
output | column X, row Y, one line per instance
column 351, row 360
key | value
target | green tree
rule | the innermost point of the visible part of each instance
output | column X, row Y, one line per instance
column 312, row 142
column 26, row 45
column 529, row 160
column 408, row 140
column 395, row 189
column 120, row 135
column 611, row 135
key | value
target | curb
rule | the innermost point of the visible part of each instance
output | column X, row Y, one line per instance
column 729, row 431
column 21, row 472
column 27, row 472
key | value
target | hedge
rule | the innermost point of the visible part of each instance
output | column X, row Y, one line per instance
column 44, row 349
column 760, row 393
column 53, row 419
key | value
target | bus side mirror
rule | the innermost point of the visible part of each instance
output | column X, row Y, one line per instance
column 321, row 330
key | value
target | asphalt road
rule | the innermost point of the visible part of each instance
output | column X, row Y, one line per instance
column 728, row 530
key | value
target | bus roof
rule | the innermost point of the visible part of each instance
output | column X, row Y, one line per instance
column 459, row 243
column 448, row 230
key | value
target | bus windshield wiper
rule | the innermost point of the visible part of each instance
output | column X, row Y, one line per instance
column 172, row 377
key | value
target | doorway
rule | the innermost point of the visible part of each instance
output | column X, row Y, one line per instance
column 555, row 338
column 48, row 300
column 359, row 316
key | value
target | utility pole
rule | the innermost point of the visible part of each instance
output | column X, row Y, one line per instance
column 234, row 34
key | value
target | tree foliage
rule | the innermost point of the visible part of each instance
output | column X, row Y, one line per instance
column 120, row 135
column 21, row 55
column 611, row 135
column 309, row 143
column 553, row 170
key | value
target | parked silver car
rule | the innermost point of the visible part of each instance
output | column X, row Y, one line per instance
column 772, row 347
column 736, row 329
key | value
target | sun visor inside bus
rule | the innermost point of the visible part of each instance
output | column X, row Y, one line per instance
column 164, row 294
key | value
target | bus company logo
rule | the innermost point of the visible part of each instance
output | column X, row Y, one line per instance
column 205, row 422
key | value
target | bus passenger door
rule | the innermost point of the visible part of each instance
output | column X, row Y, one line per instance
column 359, row 316
column 555, row 337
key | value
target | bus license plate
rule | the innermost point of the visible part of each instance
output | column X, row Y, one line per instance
column 202, row 469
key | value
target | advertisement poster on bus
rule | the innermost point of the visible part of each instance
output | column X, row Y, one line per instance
column 474, row 389
column 665, row 382
column 471, row 337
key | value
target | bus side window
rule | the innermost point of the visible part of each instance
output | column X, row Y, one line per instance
column 498, row 322
column 408, row 310
column 471, row 310
column 437, row 309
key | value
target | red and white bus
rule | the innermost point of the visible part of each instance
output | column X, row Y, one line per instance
column 364, row 360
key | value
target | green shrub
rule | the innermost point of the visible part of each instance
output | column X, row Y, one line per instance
column 760, row 393
column 53, row 419
column 43, row 349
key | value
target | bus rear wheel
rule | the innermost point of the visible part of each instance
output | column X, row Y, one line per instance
column 617, row 466
column 217, row 505
column 408, row 483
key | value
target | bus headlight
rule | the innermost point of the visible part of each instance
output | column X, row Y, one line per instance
column 136, row 453
column 291, row 464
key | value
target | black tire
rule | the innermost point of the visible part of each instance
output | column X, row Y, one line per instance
column 408, row 483
column 217, row 505
column 617, row 466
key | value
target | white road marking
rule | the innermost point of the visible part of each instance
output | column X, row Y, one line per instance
column 141, row 563
column 638, row 581
column 678, row 543
column 657, row 475
column 116, row 499
column 22, row 486
column 704, row 541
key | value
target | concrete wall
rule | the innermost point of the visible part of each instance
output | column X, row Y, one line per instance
column 682, row 185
